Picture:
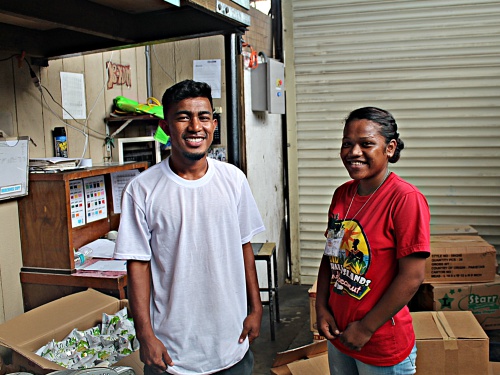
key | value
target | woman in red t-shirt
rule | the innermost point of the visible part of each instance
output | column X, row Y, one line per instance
column 378, row 237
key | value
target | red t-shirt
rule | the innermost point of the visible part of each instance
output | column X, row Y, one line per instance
column 394, row 223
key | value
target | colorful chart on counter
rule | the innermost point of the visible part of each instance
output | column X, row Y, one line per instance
column 77, row 203
column 95, row 198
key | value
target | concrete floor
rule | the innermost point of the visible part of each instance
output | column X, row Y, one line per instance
column 293, row 330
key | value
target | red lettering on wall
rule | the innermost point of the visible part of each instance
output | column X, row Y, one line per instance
column 118, row 75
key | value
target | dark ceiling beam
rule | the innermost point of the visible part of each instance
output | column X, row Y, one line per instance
column 73, row 27
column 76, row 15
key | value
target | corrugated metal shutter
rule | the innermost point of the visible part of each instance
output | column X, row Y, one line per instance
column 436, row 66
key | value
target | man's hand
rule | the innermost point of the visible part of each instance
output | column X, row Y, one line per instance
column 251, row 327
column 155, row 355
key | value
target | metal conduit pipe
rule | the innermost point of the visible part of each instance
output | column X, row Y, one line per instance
column 231, row 47
column 149, row 89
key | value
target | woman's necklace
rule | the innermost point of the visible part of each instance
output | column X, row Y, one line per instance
column 370, row 197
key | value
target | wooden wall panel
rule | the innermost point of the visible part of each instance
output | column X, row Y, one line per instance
column 28, row 109
column 76, row 140
column 186, row 52
column 140, row 80
column 51, row 112
column 7, row 91
column 162, row 67
column 95, row 85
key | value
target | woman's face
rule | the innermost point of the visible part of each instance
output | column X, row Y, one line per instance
column 364, row 152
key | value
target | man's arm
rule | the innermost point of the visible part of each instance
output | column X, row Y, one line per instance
column 251, row 325
column 153, row 352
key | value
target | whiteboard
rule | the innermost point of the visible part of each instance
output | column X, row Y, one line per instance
column 14, row 163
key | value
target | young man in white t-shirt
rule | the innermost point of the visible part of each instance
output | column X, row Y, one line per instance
column 185, row 229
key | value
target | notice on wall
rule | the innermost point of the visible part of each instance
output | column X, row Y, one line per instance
column 208, row 71
column 73, row 96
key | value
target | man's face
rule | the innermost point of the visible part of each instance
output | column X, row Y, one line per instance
column 191, row 125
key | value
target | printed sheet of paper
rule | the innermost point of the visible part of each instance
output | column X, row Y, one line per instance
column 101, row 248
column 96, row 206
column 118, row 182
column 77, row 203
column 73, row 96
column 107, row 265
column 208, row 71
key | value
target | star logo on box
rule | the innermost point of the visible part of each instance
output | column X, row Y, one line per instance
column 446, row 302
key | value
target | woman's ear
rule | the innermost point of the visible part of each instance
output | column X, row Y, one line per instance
column 391, row 148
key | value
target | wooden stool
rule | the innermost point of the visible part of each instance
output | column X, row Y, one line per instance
column 267, row 251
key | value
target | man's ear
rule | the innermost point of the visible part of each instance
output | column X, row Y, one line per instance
column 164, row 125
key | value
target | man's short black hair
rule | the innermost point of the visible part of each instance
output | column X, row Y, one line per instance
column 184, row 90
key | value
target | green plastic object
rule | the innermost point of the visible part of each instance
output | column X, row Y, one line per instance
column 161, row 136
column 131, row 106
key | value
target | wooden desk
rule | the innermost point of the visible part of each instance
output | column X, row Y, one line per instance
column 39, row 288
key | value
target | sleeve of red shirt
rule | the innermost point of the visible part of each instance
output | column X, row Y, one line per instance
column 412, row 225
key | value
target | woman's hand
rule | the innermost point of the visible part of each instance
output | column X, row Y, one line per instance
column 355, row 336
column 327, row 326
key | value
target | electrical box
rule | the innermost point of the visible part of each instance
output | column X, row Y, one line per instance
column 268, row 87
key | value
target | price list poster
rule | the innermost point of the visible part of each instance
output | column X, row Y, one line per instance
column 95, row 198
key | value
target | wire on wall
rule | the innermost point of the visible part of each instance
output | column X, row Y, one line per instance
column 85, row 130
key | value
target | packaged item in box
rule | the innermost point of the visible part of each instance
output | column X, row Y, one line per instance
column 76, row 314
column 108, row 342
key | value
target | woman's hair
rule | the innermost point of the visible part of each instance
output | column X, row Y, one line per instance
column 388, row 126
column 186, row 89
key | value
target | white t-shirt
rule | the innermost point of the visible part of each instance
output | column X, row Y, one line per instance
column 192, row 231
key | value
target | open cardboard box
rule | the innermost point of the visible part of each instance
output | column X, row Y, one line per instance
column 30, row 331
column 310, row 359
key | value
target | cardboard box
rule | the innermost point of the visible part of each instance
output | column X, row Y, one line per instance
column 450, row 342
column 310, row 359
column 460, row 258
column 317, row 337
column 452, row 229
column 482, row 299
column 494, row 368
column 30, row 331
column 312, row 307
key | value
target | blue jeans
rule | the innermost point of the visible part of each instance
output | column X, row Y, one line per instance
column 342, row 364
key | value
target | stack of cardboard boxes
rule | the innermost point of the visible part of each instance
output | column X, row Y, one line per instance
column 457, row 302
column 461, row 275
